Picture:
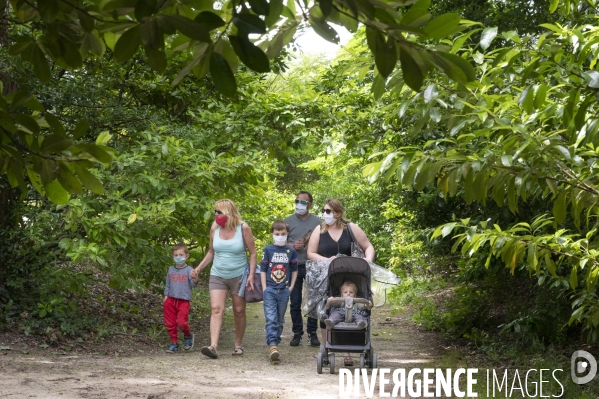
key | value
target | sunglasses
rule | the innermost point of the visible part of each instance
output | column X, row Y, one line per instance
column 302, row 202
column 218, row 212
column 327, row 211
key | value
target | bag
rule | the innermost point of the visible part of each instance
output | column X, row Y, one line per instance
column 356, row 249
column 257, row 294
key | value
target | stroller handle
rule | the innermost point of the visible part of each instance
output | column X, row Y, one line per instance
column 340, row 301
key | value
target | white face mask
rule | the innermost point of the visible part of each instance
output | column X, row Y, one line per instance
column 329, row 218
column 301, row 209
column 279, row 240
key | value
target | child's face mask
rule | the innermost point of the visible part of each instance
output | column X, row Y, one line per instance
column 180, row 260
column 279, row 240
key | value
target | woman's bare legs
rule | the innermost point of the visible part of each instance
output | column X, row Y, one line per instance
column 217, row 303
column 239, row 317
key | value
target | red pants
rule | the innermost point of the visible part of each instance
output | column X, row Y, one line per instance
column 176, row 314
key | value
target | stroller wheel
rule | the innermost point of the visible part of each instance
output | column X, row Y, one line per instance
column 319, row 363
column 332, row 363
column 362, row 360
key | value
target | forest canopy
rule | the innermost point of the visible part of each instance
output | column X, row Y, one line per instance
column 462, row 140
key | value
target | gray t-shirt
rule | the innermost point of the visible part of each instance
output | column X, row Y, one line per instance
column 179, row 283
column 297, row 229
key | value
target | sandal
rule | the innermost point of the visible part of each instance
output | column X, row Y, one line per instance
column 209, row 351
column 348, row 361
column 237, row 351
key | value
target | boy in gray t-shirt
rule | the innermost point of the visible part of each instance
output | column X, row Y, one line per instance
column 177, row 295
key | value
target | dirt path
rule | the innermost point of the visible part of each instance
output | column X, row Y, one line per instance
column 190, row 375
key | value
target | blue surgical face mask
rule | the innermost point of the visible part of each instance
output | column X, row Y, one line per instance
column 179, row 260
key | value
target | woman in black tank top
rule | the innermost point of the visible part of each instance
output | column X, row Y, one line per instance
column 332, row 239
column 328, row 247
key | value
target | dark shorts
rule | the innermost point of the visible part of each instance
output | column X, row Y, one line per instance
column 225, row 284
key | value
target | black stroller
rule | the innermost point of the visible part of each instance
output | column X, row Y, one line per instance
column 345, row 336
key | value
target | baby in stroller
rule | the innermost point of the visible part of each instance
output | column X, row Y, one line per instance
column 337, row 314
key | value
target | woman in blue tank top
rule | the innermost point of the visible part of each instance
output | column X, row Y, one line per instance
column 227, row 254
column 332, row 239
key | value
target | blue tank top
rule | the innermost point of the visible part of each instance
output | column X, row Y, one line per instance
column 229, row 255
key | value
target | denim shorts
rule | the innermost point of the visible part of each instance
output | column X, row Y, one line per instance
column 224, row 284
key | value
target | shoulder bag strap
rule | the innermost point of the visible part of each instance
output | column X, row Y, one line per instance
column 245, row 247
column 351, row 234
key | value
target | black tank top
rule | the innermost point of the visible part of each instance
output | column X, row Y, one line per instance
column 328, row 247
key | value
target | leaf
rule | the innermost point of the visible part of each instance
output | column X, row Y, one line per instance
column 56, row 193
column 223, row 77
column 447, row 229
column 260, row 7
column 553, row 6
column 527, row 100
column 249, row 54
column 541, row 95
column 325, row 6
column 97, row 152
column 249, row 23
column 20, row 98
column 442, row 26
column 193, row 28
column 487, row 37
column 156, row 58
column 54, row 143
column 324, row 30
column 378, row 87
column 151, row 34
column 67, row 179
column 412, row 73
column 574, row 278
column 274, row 14
column 127, row 45
column 103, row 138
column 455, row 67
column 89, row 181
column 415, row 17
column 209, row 20
column 92, row 42
column 592, row 78
column 40, row 65
column 385, row 57
column 80, row 129
column 132, row 218
column 559, row 207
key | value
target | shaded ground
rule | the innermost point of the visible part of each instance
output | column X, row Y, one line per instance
column 143, row 370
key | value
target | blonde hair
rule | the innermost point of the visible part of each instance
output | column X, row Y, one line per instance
column 229, row 209
column 350, row 285
column 337, row 207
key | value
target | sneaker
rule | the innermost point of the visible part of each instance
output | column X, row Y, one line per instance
column 313, row 339
column 173, row 348
column 297, row 338
column 273, row 353
column 362, row 325
column 329, row 323
column 188, row 342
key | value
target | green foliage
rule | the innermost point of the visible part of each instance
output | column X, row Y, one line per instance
column 524, row 137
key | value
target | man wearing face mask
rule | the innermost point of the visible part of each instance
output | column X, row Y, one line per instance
column 301, row 224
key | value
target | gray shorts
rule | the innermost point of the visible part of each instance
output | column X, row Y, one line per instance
column 225, row 284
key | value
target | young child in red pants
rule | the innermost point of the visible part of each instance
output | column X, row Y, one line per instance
column 177, row 295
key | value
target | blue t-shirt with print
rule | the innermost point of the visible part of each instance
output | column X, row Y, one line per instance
column 278, row 263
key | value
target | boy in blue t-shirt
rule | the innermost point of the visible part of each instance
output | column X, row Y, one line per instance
column 279, row 261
